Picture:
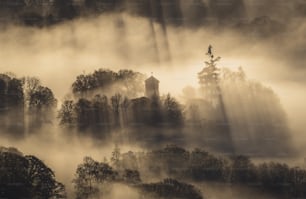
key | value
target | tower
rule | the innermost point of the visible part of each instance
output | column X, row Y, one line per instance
column 152, row 87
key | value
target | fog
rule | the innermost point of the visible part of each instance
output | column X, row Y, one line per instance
column 57, row 54
column 63, row 153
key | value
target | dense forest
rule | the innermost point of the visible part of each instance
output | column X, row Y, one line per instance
column 183, row 172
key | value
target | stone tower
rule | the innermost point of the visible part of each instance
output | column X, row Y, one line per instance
column 152, row 87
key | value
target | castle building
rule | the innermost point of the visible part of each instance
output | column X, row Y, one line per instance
column 152, row 87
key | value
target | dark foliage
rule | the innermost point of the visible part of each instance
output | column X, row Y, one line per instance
column 131, row 176
column 126, row 82
column 94, row 179
column 195, row 166
column 40, row 103
column 26, row 177
column 171, row 188
column 101, row 115
column 91, row 175
column 111, row 106
column 201, row 166
column 22, row 98
column 173, row 111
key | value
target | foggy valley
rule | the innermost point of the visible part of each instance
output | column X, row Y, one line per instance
column 152, row 99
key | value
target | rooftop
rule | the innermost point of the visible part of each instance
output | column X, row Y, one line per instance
column 152, row 79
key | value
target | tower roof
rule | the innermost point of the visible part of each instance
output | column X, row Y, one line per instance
column 152, row 79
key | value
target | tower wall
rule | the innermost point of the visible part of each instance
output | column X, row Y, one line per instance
column 152, row 87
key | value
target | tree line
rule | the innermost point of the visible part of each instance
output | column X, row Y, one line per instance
column 102, row 114
column 198, row 166
column 104, row 101
column 95, row 179
column 27, row 176
column 25, row 105
column 126, row 82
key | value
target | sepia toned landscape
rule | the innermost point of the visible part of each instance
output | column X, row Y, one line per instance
column 147, row 99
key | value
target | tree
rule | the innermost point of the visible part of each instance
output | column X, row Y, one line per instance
column 242, row 170
column 258, row 125
column 3, row 99
column 101, row 110
column 205, row 166
column 131, row 176
column 12, row 104
column 173, row 111
column 31, row 84
column 82, row 85
column 124, row 107
column 27, row 177
column 116, row 155
column 209, row 78
column 44, row 183
column 132, row 82
column 93, row 178
column 42, row 98
column 66, row 113
column 16, row 114
column 15, row 93
column 171, row 188
column 42, row 104
column 126, row 82
column 116, row 101
column 171, row 159
column 103, row 78
column 84, row 113
column 93, row 114
column 25, row 102
column 37, row 96
column 14, row 181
